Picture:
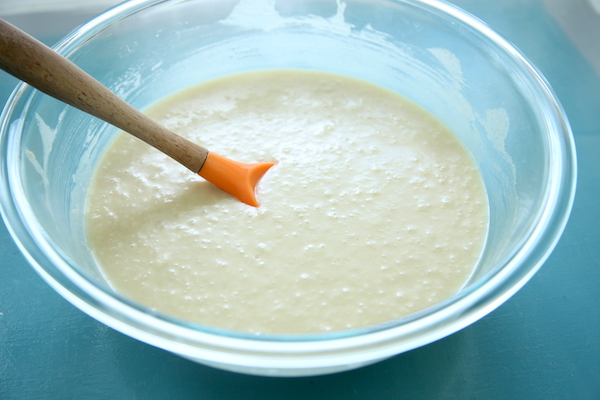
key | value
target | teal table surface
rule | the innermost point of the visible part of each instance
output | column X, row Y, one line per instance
column 544, row 343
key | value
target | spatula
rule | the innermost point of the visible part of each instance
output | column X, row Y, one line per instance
column 36, row 64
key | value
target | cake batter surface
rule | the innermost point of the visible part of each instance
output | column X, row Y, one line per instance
column 373, row 211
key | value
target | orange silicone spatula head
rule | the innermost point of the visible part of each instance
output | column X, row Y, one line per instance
column 236, row 178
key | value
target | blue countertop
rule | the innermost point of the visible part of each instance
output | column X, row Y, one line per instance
column 544, row 343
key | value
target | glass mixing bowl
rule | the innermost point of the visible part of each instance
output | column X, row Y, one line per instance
column 450, row 63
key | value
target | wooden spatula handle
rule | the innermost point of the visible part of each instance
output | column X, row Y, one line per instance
column 33, row 62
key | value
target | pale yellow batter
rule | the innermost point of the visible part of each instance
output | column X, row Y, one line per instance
column 373, row 211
